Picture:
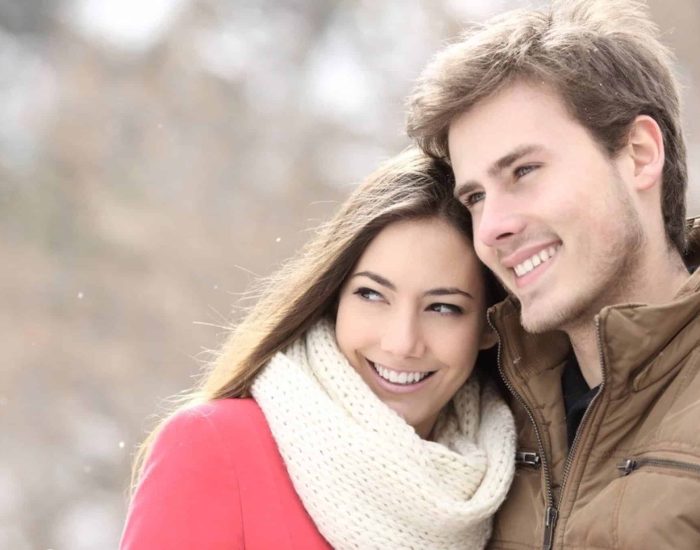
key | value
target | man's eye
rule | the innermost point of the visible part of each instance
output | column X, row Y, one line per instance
column 369, row 294
column 521, row 171
column 472, row 198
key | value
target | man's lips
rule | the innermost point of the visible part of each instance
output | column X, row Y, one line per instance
column 526, row 259
column 527, row 252
column 534, row 261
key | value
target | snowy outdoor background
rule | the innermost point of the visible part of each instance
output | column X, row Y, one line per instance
column 154, row 156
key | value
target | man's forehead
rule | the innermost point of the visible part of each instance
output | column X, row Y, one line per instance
column 521, row 101
column 518, row 120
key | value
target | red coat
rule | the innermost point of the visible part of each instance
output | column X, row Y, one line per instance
column 215, row 480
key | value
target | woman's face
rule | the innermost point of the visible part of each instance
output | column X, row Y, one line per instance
column 411, row 317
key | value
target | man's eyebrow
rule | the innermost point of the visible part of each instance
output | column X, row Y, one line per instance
column 499, row 166
column 376, row 278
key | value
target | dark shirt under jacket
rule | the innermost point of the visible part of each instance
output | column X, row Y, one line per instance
column 577, row 396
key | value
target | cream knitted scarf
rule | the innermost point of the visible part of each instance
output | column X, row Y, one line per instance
column 364, row 475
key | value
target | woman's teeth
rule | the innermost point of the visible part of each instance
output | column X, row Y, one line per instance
column 536, row 259
column 400, row 377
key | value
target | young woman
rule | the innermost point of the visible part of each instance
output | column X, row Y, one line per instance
column 344, row 410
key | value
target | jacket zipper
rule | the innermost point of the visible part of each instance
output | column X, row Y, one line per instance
column 549, row 533
column 551, row 512
column 528, row 458
column 629, row 465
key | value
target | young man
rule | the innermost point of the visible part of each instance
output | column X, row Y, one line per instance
column 562, row 127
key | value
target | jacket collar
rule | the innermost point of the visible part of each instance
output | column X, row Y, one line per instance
column 642, row 343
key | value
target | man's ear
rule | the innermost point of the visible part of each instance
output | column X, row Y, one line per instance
column 488, row 338
column 646, row 151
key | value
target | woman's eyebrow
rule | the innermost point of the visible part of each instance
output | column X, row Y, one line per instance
column 441, row 291
column 376, row 278
column 447, row 291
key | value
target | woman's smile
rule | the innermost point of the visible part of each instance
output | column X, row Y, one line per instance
column 400, row 381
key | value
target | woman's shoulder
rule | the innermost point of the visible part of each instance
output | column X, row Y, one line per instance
column 228, row 412
column 217, row 467
column 230, row 421
column 210, row 441
column 189, row 493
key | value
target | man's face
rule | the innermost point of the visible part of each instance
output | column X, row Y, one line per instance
column 552, row 218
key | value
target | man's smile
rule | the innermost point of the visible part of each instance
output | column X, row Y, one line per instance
column 538, row 258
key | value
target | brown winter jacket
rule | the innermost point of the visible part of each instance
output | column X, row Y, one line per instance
column 632, row 479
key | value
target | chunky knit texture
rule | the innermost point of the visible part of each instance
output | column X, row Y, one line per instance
column 364, row 475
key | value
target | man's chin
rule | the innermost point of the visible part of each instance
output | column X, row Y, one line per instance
column 540, row 318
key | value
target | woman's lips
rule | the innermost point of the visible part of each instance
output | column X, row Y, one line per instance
column 399, row 381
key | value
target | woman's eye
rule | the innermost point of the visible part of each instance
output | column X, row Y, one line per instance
column 445, row 309
column 369, row 294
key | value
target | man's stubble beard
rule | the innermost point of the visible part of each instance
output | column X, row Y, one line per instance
column 617, row 270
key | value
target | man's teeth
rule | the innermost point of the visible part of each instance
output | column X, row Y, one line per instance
column 396, row 377
column 536, row 259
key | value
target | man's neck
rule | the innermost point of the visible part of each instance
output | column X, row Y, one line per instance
column 584, row 337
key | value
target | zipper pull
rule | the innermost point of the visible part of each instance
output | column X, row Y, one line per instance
column 550, row 521
column 627, row 466
column 528, row 458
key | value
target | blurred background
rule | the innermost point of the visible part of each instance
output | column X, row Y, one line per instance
column 155, row 156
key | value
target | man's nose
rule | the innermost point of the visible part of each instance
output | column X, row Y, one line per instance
column 403, row 336
column 500, row 217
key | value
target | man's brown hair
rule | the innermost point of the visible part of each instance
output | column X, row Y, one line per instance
column 603, row 58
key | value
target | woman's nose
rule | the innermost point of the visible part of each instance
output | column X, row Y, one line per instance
column 402, row 336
